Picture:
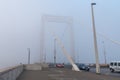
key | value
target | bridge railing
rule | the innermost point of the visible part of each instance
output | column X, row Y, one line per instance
column 11, row 73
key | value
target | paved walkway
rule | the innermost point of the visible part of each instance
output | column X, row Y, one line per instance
column 63, row 74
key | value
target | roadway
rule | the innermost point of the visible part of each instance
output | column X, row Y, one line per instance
column 63, row 74
column 106, row 71
column 103, row 70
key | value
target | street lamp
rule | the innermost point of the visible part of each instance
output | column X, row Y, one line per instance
column 95, row 40
column 28, row 55
column 104, row 53
column 55, row 51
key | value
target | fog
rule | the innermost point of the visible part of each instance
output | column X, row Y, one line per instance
column 20, row 28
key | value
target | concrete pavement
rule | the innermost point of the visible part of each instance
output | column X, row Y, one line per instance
column 63, row 74
column 106, row 71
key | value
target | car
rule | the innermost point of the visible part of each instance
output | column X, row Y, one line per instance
column 83, row 67
column 60, row 65
column 114, row 66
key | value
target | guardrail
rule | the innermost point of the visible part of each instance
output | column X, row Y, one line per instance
column 11, row 73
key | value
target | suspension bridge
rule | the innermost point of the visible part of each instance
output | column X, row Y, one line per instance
column 41, row 70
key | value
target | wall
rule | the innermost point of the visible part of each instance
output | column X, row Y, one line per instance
column 11, row 73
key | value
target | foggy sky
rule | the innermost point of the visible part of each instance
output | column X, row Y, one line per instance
column 20, row 24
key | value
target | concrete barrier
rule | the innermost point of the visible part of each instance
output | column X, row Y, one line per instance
column 11, row 73
column 36, row 66
column 33, row 67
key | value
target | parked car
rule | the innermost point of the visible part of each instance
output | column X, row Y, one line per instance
column 60, row 65
column 83, row 67
column 114, row 66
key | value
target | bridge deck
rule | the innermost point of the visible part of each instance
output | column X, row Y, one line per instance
column 63, row 74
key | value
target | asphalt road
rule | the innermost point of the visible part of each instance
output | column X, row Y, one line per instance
column 106, row 71
column 63, row 74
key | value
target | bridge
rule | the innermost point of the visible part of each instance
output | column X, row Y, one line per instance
column 42, row 71
column 24, row 29
column 38, row 72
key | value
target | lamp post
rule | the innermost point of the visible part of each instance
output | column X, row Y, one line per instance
column 45, row 56
column 55, row 51
column 104, row 53
column 28, row 55
column 95, row 40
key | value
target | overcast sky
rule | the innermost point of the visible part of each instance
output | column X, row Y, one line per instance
column 20, row 24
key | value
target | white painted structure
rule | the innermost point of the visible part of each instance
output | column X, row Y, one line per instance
column 56, row 19
column 75, row 67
